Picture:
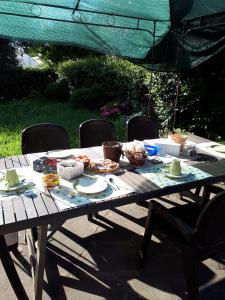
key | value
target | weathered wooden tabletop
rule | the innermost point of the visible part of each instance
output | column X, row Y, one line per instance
column 21, row 212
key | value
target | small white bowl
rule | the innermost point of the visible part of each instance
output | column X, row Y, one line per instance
column 69, row 169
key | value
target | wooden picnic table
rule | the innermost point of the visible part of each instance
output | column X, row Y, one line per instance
column 23, row 213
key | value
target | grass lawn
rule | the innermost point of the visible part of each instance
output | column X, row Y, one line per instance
column 16, row 115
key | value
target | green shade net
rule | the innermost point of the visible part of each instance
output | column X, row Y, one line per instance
column 170, row 35
column 197, row 36
column 121, row 27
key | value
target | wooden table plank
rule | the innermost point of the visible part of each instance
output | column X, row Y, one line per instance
column 15, row 161
column 8, row 211
column 93, row 152
column 125, row 177
column 29, row 207
column 49, row 203
column 215, row 169
column 2, row 164
column 197, row 139
column 19, row 209
column 24, row 161
column 40, row 206
column 8, row 163
column 141, row 183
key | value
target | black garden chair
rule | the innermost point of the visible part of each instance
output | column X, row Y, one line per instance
column 199, row 232
column 44, row 137
column 94, row 132
column 141, row 128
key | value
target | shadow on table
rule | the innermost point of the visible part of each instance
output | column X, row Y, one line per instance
column 106, row 266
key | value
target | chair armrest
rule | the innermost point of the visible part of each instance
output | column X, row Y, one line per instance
column 177, row 223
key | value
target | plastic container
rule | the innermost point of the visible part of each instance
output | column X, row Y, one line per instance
column 69, row 169
column 152, row 150
column 166, row 146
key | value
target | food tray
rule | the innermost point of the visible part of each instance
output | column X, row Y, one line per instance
column 45, row 164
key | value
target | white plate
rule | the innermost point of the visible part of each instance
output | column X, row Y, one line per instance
column 182, row 175
column 218, row 148
column 58, row 154
column 91, row 185
column 23, row 183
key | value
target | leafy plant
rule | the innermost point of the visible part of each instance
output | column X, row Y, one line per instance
column 88, row 97
column 23, row 82
column 57, row 90
column 117, row 79
column 164, row 91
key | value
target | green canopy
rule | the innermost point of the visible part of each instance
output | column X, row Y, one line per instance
column 161, row 34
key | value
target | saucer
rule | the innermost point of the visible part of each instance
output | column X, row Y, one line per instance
column 23, row 182
column 182, row 175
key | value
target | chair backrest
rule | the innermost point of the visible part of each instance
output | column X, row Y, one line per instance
column 44, row 137
column 211, row 221
column 94, row 132
column 141, row 128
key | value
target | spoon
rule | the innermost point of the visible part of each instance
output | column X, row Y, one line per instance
column 112, row 183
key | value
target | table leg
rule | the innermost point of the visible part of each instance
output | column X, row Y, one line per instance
column 11, row 270
column 40, row 262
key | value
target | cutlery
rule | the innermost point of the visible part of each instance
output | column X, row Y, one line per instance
column 111, row 182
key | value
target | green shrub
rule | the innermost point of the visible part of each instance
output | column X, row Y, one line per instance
column 38, row 78
column 116, row 79
column 92, row 97
column 58, row 90
column 8, row 65
column 164, row 98
column 23, row 82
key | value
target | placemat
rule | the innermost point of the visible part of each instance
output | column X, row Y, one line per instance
column 66, row 196
column 155, row 174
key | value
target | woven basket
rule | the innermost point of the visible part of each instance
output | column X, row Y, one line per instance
column 177, row 138
column 136, row 162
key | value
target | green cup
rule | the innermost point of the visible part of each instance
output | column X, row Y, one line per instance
column 175, row 168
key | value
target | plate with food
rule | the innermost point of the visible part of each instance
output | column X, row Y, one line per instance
column 103, row 166
column 58, row 154
column 83, row 158
column 51, row 180
column 44, row 164
column 90, row 185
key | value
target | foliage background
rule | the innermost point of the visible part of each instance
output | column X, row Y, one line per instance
column 81, row 80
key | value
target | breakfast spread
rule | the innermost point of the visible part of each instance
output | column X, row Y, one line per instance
column 104, row 166
column 51, row 180
column 83, row 158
